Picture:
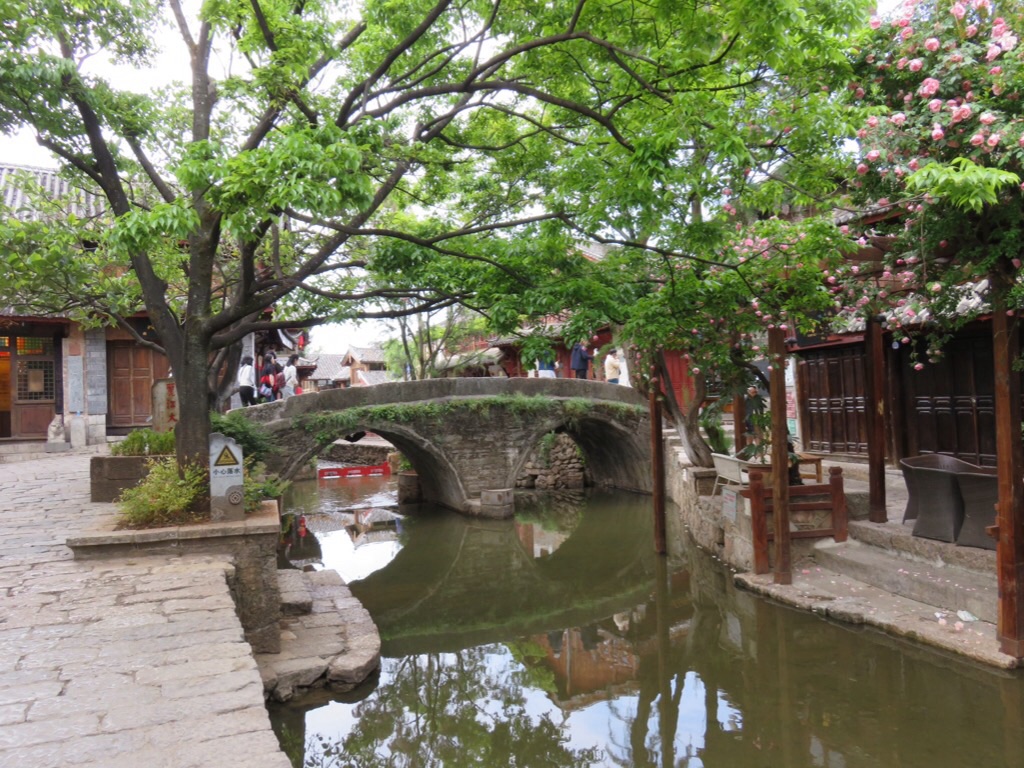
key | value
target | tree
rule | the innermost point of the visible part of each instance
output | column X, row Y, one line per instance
column 454, row 148
column 426, row 340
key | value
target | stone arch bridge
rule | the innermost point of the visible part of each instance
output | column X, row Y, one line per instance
column 466, row 436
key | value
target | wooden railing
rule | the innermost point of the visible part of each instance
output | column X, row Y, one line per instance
column 826, row 496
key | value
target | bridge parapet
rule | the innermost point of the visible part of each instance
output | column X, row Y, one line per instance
column 464, row 436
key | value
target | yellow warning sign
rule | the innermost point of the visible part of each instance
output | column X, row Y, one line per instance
column 226, row 458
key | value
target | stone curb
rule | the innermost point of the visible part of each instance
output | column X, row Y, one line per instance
column 841, row 598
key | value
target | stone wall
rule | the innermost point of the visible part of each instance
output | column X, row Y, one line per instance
column 559, row 466
column 345, row 452
column 723, row 529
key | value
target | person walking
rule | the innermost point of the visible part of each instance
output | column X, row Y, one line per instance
column 291, row 377
column 267, row 374
column 580, row 359
column 247, row 381
column 546, row 367
column 612, row 367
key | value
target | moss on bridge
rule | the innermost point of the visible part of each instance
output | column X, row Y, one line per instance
column 327, row 425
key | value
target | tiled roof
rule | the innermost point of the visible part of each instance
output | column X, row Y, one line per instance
column 73, row 198
column 369, row 378
column 367, row 354
column 328, row 368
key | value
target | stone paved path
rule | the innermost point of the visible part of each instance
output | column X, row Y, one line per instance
column 135, row 663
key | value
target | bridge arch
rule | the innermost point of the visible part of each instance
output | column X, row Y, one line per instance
column 464, row 436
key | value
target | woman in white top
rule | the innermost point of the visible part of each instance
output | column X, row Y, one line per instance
column 247, row 381
column 291, row 377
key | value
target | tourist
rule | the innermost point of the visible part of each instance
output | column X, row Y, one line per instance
column 546, row 367
column 612, row 367
column 291, row 377
column 267, row 373
column 580, row 359
column 247, row 381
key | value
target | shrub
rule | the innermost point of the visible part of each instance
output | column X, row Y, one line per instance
column 254, row 440
column 259, row 484
column 144, row 442
column 163, row 497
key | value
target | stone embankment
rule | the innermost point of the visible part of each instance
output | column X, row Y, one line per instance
column 883, row 577
column 135, row 659
column 556, row 464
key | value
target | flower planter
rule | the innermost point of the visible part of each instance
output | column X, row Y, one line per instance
column 110, row 475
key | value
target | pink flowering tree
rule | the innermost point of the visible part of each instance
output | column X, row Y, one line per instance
column 941, row 160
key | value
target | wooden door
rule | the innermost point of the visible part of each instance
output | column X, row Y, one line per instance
column 833, row 401
column 949, row 406
column 131, row 371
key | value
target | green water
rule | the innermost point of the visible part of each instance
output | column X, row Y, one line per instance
column 560, row 639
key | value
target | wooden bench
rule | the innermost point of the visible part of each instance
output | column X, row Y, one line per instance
column 827, row 496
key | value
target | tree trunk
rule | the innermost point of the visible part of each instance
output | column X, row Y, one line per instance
column 192, row 441
column 687, row 423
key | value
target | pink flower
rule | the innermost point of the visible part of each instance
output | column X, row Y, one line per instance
column 982, row 5
column 929, row 87
column 935, row 105
column 993, row 52
column 872, row 122
column 993, row 140
column 915, row 65
column 937, row 132
column 987, row 118
column 907, row 32
column 901, row 63
column 932, row 44
column 873, row 155
column 898, row 119
column 920, row 367
column 956, row 58
column 1020, row 141
column 862, row 133
column 972, row 30
column 862, row 168
column 998, row 88
column 961, row 113
column 996, row 70
column 859, row 93
column 914, row 164
column 958, row 10
column 875, row 22
column 977, row 140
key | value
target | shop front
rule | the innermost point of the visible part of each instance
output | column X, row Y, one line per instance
column 30, row 379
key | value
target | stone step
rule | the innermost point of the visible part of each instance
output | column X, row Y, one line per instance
column 296, row 599
column 334, row 645
column 947, row 587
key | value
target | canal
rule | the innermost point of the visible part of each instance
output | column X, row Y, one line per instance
column 560, row 639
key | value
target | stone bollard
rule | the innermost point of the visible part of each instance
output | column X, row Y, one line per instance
column 499, row 503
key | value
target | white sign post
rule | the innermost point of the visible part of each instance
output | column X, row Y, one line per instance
column 227, row 501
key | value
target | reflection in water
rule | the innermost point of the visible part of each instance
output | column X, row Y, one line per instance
column 535, row 643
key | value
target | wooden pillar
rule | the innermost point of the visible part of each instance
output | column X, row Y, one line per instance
column 658, row 469
column 780, row 456
column 1010, row 465
column 875, row 412
column 739, row 419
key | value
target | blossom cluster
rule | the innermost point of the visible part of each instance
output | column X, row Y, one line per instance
column 936, row 82
column 940, row 80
